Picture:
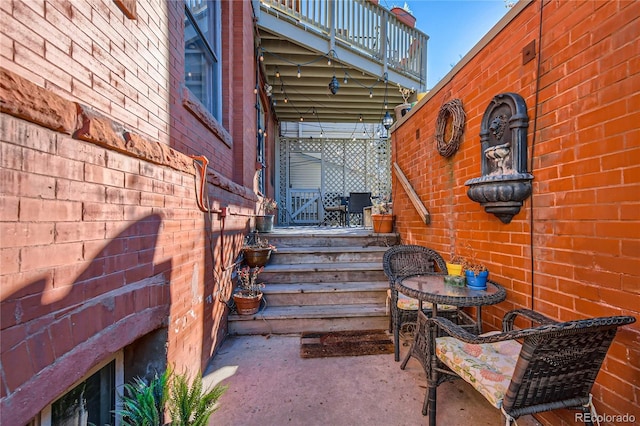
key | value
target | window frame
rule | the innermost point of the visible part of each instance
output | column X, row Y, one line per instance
column 212, row 50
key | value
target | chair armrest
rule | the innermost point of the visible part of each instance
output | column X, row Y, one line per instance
column 510, row 317
column 460, row 333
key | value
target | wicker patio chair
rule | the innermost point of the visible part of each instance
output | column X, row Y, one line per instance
column 553, row 367
column 400, row 261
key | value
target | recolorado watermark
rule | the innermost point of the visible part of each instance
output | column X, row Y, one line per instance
column 605, row 418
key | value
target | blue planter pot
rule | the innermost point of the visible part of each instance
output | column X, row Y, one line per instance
column 477, row 282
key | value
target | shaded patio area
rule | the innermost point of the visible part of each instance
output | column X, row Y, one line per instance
column 270, row 384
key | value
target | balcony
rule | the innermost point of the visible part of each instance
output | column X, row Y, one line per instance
column 304, row 44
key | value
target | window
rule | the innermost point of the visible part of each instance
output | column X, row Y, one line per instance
column 91, row 401
column 202, row 68
column 260, row 151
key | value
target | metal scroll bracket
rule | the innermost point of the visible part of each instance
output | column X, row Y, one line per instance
column 420, row 208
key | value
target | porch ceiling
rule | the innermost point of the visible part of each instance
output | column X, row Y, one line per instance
column 288, row 45
column 311, row 92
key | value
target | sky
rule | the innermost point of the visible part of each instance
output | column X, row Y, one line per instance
column 453, row 27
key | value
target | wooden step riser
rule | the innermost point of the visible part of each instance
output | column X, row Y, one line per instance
column 321, row 257
column 295, row 326
column 307, row 299
column 384, row 240
column 321, row 276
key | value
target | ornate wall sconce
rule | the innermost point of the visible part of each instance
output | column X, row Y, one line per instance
column 505, row 182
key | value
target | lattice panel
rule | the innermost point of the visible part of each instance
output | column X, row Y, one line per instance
column 347, row 165
column 355, row 179
column 333, row 157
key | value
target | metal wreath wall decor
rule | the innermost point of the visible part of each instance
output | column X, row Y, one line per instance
column 452, row 109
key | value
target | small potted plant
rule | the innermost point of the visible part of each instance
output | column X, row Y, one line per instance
column 476, row 274
column 248, row 294
column 256, row 251
column 456, row 265
column 264, row 218
column 381, row 215
column 402, row 109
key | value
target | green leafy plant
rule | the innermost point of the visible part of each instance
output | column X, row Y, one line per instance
column 144, row 403
column 192, row 405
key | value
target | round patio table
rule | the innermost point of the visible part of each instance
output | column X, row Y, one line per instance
column 432, row 288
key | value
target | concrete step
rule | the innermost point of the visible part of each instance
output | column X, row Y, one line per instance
column 298, row 319
column 297, row 255
column 323, row 272
column 334, row 293
column 318, row 238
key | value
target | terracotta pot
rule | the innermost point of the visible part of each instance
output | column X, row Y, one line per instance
column 404, row 16
column 256, row 256
column 382, row 223
column 246, row 305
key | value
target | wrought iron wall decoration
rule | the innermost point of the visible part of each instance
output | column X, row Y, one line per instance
column 452, row 109
column 505, row 182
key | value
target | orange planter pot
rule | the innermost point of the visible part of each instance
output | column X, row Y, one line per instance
column 247, row 305
column 382, row 223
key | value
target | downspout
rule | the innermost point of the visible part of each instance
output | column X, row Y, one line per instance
column 533, row 144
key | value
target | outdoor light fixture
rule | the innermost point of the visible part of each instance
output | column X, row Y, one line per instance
column 387, row 120
column 334, row 85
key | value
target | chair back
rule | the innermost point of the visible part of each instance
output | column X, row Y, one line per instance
column 408, row 259
column 358, row 201
column 557, row 367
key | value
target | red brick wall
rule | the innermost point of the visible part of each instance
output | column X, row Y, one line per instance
column 582, row 221
column 101, row 237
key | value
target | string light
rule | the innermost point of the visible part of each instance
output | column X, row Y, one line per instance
column 299, row 73
column 277, row 72
column 370, row 93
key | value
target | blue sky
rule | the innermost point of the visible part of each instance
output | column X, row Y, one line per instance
column 453, row 27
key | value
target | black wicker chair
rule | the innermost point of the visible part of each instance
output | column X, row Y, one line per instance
column 400, row 261
column 554, row 367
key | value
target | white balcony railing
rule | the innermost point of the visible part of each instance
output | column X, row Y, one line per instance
column 364, row 26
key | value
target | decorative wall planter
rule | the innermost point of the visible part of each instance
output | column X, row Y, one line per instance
column 505, row 182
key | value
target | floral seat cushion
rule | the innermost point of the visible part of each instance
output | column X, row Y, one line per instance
column 487, row 367
column 407, row 303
